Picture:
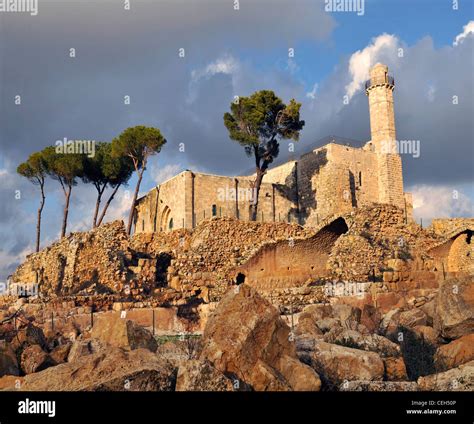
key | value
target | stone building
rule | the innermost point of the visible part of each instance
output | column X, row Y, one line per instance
column 327, row 181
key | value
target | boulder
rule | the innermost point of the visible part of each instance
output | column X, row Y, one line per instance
column 246, row 338
column 455, row 379
column 456, row 353
column 336, row 364
column 318, row 311
column 454, row 308
column 412, row 318
column 8, row 361
column 115, row 369
column 395, row 369
column 121, row 332
column 306, row 325
column 428, row 334
column 370, row 317
column 371, row 343
column 346, row 313
column 28, row 336
column 34, row 359
column 199, row 376
column 326, row 324
column 60, row 353
column 82, row 348
column 378, row 386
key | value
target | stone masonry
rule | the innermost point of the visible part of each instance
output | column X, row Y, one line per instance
column 330, row 180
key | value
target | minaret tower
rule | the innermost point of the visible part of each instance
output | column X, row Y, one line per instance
column 379, row 89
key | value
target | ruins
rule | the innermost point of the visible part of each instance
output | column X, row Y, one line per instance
column 330, row 180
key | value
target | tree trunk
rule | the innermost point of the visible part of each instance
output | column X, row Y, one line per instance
column 256, row 192
column 100, row 191
column 66, row 210
column 134, row 201
column 107, row 205
column 38, row 223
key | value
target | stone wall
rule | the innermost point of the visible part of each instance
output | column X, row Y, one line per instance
column 93, row 260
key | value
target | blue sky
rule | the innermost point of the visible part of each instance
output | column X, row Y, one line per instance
column 228, row 52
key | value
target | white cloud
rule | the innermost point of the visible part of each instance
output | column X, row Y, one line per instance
column 312, row 94
column 467, row 30
column 362, row 60
column 161, row 174
column 226, row 64
column 440, row 202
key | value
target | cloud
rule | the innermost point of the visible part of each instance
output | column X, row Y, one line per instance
column 431, row 202
column 226, row 64
column 468, row 29
column 163, row 174
column 312, row 94
column 362, row 60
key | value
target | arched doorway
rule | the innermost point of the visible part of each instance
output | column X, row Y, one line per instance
column 165, row 219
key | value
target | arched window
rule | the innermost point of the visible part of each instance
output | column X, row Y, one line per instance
column 214, row 210
column 170, row 225
column 360, row 178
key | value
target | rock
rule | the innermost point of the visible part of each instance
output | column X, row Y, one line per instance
column 199, row 376
column 370, row 317
column 8, row 361
column 389, row 326
column 82, row 348
column 318, row 311
column 60, row 353
column 456, row 353
column 345, row 313
column 34, row 359
column 454, row 308
column 10, row 382
column 336, row 364
column 326, row 324
column 395, row 369
column 370, row 343
column 300, row 378
column 306, row 325
column 378, row 386
column 29, row 336
column 121, row 332
column 455, row 379
column 246, row 338
column 428, row 334
column 113, row 370
column 412, row 318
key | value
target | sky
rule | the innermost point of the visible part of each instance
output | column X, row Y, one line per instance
column 299, row 48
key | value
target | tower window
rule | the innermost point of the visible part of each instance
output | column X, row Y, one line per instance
column 170, row 225
column 360, row 179
column 214, row 210
column 143, row 225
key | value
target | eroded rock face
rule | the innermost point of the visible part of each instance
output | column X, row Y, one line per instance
column 198, row 376
column 455, row 379
column 336, row 364
column 378, row 386
column 34, row 359
column 371, row 343
column 246, row 337
column 8, row 361
column 456, row 353
column 454, row 308
column 120, row 332
column 113, row 370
